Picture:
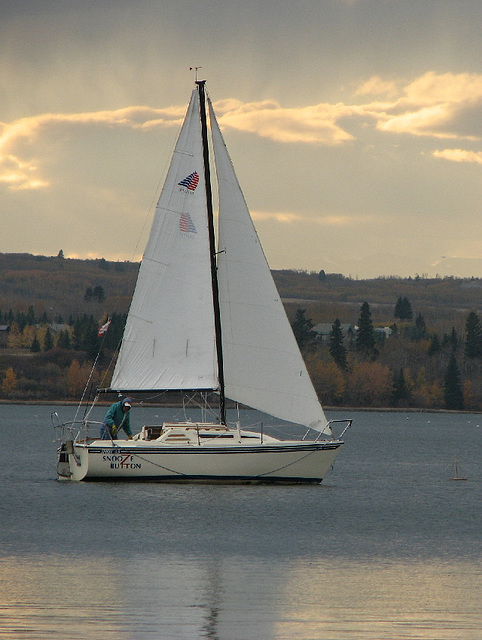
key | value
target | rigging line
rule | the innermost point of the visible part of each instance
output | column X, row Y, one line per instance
column 87, row 384
column 260, row 475
column 156, row 464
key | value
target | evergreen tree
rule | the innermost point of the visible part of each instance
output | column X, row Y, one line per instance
column 365, row 337
column 419, row 331
column 403, row 309
column 98, row 293
column 92, row 343
column 64, row 340
column 35, row 346
column 454, row 339
column 400, row 388
column 84, row 336
column 21, row 320
column 453, row 395
column 113, row 337
column 303, row 331
column 88, row 295
column 31, row 315
column 48, row 340
column 473, row 336
column 450, row 341
column 337, row 348
column 435, row 346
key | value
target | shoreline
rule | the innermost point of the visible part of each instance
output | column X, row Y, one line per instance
column 173, row 405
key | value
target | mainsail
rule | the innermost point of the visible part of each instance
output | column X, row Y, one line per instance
column 169, row 340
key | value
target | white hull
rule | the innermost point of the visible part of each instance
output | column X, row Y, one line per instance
column 247, row 458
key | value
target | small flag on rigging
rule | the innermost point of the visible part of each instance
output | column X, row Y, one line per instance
column 103, row 329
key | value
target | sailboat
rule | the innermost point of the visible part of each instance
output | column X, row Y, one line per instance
column 206, row 319
column 456, row 471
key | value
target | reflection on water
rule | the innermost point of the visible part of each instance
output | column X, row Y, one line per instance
column 237, row 599
column 334, row 600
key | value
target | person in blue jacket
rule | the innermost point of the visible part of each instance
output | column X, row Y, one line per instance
column 117, row 418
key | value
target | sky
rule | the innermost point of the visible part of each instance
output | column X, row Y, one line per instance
column 355, row 126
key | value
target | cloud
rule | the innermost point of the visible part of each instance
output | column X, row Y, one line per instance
column 434, row 105
column 267, row 119
column 332, row 220
column 22, row 137
column 376, row 86
column 278, row 216
column 459, row 155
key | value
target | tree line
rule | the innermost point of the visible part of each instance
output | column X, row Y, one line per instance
column 61, row 354
column 411, row 363
column 408, row 364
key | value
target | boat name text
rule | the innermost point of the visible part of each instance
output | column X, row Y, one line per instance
column 121, row 462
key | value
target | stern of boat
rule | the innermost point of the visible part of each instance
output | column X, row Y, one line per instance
column 72, row 458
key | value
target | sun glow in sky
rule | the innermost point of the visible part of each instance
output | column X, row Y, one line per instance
column 355, row 126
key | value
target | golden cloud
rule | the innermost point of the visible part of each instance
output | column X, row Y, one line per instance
column 313, row 124
column 278, row 216
column 376, row 86
column 332, row 220
column 432, row 105
column 459, row 155
column 19, row 174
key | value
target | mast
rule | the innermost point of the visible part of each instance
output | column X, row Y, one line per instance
column 212, row 248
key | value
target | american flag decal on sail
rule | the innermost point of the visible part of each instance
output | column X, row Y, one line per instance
column 191, row 181
column 186, row 224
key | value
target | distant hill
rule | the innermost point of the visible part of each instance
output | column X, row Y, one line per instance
column 57, row 286
column 386, row 264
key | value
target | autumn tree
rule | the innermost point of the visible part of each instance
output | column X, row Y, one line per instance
column 9, row 383
column 369, row 384
column 77, row 377
column 328, row 381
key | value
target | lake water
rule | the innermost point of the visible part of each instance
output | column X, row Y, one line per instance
column 387, row 548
